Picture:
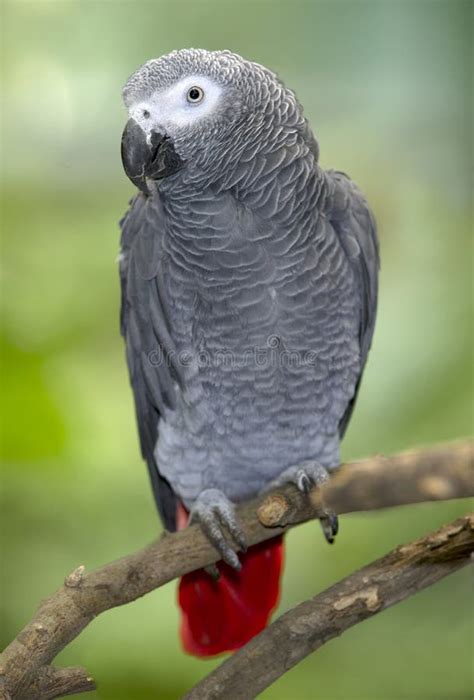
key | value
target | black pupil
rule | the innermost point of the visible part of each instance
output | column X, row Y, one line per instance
column 194, row 94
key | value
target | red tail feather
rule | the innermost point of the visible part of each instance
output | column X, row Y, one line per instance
column 219, row 616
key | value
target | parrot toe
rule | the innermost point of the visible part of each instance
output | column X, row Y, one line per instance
column 216, row 516
column 305, row 476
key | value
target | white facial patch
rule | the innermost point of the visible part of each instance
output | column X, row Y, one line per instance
column 171, row 109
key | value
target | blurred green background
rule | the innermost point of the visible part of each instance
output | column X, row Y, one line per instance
column 386, row 86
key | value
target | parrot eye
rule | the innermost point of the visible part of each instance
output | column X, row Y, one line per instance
column 195, row 95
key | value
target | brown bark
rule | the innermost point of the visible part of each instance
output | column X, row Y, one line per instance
column 53, row 682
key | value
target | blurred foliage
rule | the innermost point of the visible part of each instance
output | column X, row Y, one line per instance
column 386, row 87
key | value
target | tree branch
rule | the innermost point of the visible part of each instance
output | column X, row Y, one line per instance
column 438, row 473
column 387, row 581
column 52, row 682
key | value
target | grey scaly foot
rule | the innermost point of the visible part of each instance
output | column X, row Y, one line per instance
column 216, row 515
column 305, row 476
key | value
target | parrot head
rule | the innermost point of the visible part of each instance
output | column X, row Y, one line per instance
column 197, row 108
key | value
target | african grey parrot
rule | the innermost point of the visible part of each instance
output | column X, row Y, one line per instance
column 249, row 293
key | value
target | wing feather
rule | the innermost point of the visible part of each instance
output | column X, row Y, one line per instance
column 148, row 345
column 355, row 226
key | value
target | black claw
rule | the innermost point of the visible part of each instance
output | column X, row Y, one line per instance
column 213, row 571
column 305, row 483
column 231, row 558
column 236, row 534
column 243, row 546
column 240, row 539
column 328, row 534
column 227, row 553
column 334, row 523
column 330, row 526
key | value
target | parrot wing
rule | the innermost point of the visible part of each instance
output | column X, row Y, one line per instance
column 152, row 369
column 355, row 226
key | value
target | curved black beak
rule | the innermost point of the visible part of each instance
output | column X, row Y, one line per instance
column 142, row 159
